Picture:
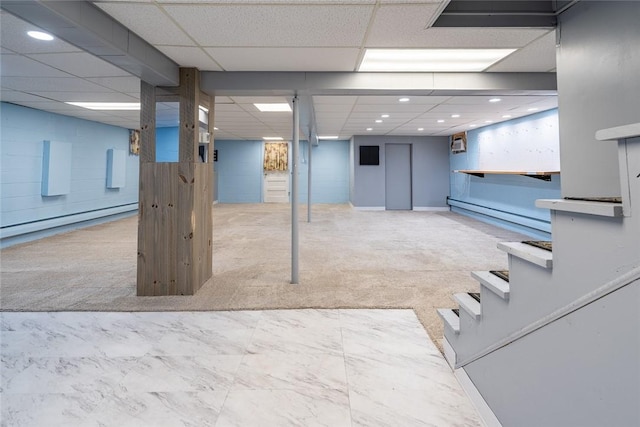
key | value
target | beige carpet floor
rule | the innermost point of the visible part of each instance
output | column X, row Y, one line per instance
column 348, row 259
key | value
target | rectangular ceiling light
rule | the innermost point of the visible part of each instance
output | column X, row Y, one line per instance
column 274, row 107
column 328, row 137
column 106, row 106
column 272, row 138
column 431, row 60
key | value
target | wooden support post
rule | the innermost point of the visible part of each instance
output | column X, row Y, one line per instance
column 175, row 224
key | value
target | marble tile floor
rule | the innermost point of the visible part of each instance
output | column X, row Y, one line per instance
column 235, row 368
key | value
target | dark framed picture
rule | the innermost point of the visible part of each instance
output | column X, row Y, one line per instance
column 369, row 155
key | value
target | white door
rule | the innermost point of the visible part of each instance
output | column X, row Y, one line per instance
column 276, row 187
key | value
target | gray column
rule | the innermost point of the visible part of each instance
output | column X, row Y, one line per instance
column 294, row 192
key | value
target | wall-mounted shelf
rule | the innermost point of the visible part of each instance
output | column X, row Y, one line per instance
column 543, row 175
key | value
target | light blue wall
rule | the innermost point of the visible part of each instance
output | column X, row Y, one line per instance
column 330, row 172
column 167, row 144
column 240, row 177
column 21, row 150
column 429, row 171
column 239, row 168
column 507, row 200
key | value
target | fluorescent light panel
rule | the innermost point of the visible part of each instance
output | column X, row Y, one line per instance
column 106, row 106
column 272, row 138
column 431, row 60
column 274, row 107
column 328, row 137
column 40, row 35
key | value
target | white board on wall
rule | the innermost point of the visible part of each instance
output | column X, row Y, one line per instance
column 56, row 168
column 527, row 145
column 116, row 168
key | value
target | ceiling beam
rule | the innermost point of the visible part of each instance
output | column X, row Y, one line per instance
column 86, row 26
column 244, row 83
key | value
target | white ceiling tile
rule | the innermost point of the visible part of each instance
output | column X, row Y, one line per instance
column 393, row 100
column 53, row 106
column 323, row 99
column 258, row 99
column 149, row 22
column 80, row 64
column 87, row 96
column 15, row 96
column 286, row 59
column 21, row 66
column 227, row 107
column 273, row 25
column 55, row 84
column 401, row 25
column 272, row 2
column 190, row 57
column 223, row 100
column 538, row 56
column 121, row 84
column 13, row 36
column 332, row 108
column 445, row 37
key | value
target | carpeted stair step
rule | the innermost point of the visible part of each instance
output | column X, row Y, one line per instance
column 469, row 304
column 534, row 255
column 493, row 282
column 503, row 274
column 542, row 244
column 450, row 319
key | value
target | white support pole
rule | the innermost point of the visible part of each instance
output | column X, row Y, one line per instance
column 294, row 192
column 309, row 181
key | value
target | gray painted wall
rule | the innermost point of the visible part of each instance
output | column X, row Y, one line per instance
column 430, row 171
column 598, row 69
column 580, row 371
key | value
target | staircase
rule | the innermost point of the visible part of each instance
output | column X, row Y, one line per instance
column 527, row 340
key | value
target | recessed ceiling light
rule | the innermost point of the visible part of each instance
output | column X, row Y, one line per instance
column 215, row 128
column 488, row 121
column 506, row 116
column 455, row 116
column 328, row 137
column 378, row 121
column 421, row 129
column 272, row 138
column 495, row 100
column 403, row 100
column 369, row 129
column 421, row 60
column 472, row 126
column 385, row 116
column 279, row 107
column 532, row 109
column 107, row 105
column 39, row 35
column 440, row 121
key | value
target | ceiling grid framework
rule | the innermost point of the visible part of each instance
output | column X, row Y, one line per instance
column 275, row 35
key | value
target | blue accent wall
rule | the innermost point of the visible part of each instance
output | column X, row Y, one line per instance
column 330, row 174
column 239, row 168
column 21, row 152
column 508, row 200
column 167, row 142
column 240, row 177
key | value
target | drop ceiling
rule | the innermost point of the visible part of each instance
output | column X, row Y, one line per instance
column 273, row 35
